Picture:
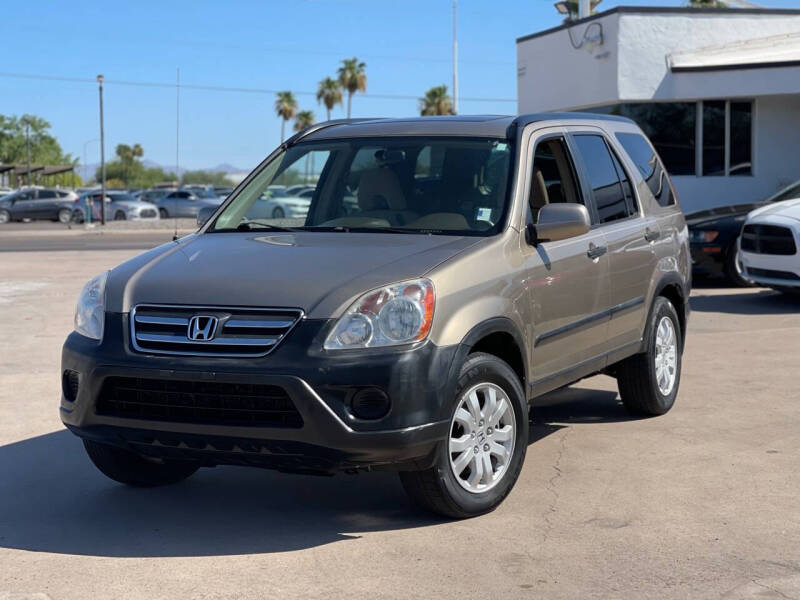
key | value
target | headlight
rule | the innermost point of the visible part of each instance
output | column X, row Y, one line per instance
column 699, row 236
column 393, row 315
column 90, row 311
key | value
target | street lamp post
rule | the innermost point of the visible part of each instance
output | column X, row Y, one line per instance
column 102, row 157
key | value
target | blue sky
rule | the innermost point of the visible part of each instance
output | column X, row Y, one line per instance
column 251, row 44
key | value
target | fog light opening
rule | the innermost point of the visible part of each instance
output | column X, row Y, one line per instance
column 370, row 404
column 70, row 384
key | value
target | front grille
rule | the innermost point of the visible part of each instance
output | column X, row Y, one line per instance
column 773, row 274
column 239, row 332
column 148, row 213
column 203, row 402
column 768, row 239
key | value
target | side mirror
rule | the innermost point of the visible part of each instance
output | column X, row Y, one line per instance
column 558, row 222
column 204, row 214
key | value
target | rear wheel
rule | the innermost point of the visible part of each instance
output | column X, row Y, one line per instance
column 119, row 216
column 64, row 215
column 648, row 382
column 278, row 213
column 5, row 216
column 479, row 461
column 162, row 212
column 130, row 468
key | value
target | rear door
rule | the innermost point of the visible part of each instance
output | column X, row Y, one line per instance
column 46, row 206
column 629, row 234
column 567, row 279
column 24, row 205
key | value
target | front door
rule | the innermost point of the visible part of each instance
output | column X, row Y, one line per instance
column 566, row 280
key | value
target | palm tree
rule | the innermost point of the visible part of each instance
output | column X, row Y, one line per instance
column 353, row 78
column 285, row 106
column 329, row 93
column 303, row 119
column 436, row 102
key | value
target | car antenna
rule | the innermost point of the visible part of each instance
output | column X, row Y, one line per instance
column 177, row 141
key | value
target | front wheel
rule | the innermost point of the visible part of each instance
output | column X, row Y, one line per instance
column 162, row 213
column 648, row 382
column 119, row 216
column 64, row 216
column 132, row 469
column 479, row 461
column 278, row 213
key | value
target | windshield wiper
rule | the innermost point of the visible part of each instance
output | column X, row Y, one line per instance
column 252, row 226
column 356, row 229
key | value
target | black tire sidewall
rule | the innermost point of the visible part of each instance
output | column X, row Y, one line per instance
column 278, row 213
column 162, row 213
column 663, row 308
column 482, row 368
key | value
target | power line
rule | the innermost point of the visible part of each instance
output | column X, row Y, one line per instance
column 219, row 88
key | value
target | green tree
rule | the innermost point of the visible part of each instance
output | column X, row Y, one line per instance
column 127, row 170
column 45, row 149
column 285, row 107
column 572, row 9
column 353, row 78
column 303, row 119
column 436, row 102
column 708, row 4
column 329, row 93
column 205, row 178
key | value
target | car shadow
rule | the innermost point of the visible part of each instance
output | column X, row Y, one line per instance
column 52, row 499
column 752, row 302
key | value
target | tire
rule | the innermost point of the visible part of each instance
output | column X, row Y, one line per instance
column 278, row 213
column 638, row 377
column 438, row 488
column 64, row 216
column 129, row 468
column 77, row 217
column 119, row 216
column 733, row 267
column 5, row 217
column 162, row 212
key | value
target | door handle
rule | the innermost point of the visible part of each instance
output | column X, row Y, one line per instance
column 650, row 235
column 596, row 251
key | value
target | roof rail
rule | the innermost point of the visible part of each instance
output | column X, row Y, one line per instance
column 325, row 125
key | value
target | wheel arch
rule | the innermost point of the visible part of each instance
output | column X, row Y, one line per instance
column 671, row 287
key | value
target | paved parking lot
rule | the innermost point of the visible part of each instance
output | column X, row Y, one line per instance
column 700, row 503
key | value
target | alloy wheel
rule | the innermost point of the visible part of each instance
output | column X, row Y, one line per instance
column 482, row 435
column 666, row 360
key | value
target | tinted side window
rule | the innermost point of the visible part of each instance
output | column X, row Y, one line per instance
column 627, row 187
column 649, row 166
column 552, row 178
column 608, row 195
column 46, row 194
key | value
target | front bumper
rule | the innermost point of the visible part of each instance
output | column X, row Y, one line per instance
column 418, row 381
column 708, row 259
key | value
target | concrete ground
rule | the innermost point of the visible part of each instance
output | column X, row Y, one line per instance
column 700, row 503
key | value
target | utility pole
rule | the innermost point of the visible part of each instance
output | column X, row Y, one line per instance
column 28, row 148
column 455, row 56
column 102, row 157
column 584, row 8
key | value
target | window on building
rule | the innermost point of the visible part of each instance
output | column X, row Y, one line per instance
column 649, row 166
column 673, row 128
column 714, row 137
column 609, row 197
column 741, row 115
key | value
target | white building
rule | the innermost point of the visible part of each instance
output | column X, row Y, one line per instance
column 717, row 90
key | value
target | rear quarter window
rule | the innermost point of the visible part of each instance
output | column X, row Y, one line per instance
column 649, row 165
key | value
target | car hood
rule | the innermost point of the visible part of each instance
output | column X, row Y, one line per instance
column 319, row 272
column 704, row 217
column 788, row 208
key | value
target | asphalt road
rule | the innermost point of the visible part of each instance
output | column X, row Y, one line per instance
column 699, row 503
column 54, row 241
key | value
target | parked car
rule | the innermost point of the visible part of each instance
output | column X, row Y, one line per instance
column 206, row 192
column 37, row 204
column 769, row 246
column 223, row 191
column 183, row 203
column 118, row 206
column 293, row 206
column 5, row 191
column 154, row 194
column 714, row 236
column 412, row 334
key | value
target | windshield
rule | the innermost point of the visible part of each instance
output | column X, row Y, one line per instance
column 399, row 185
